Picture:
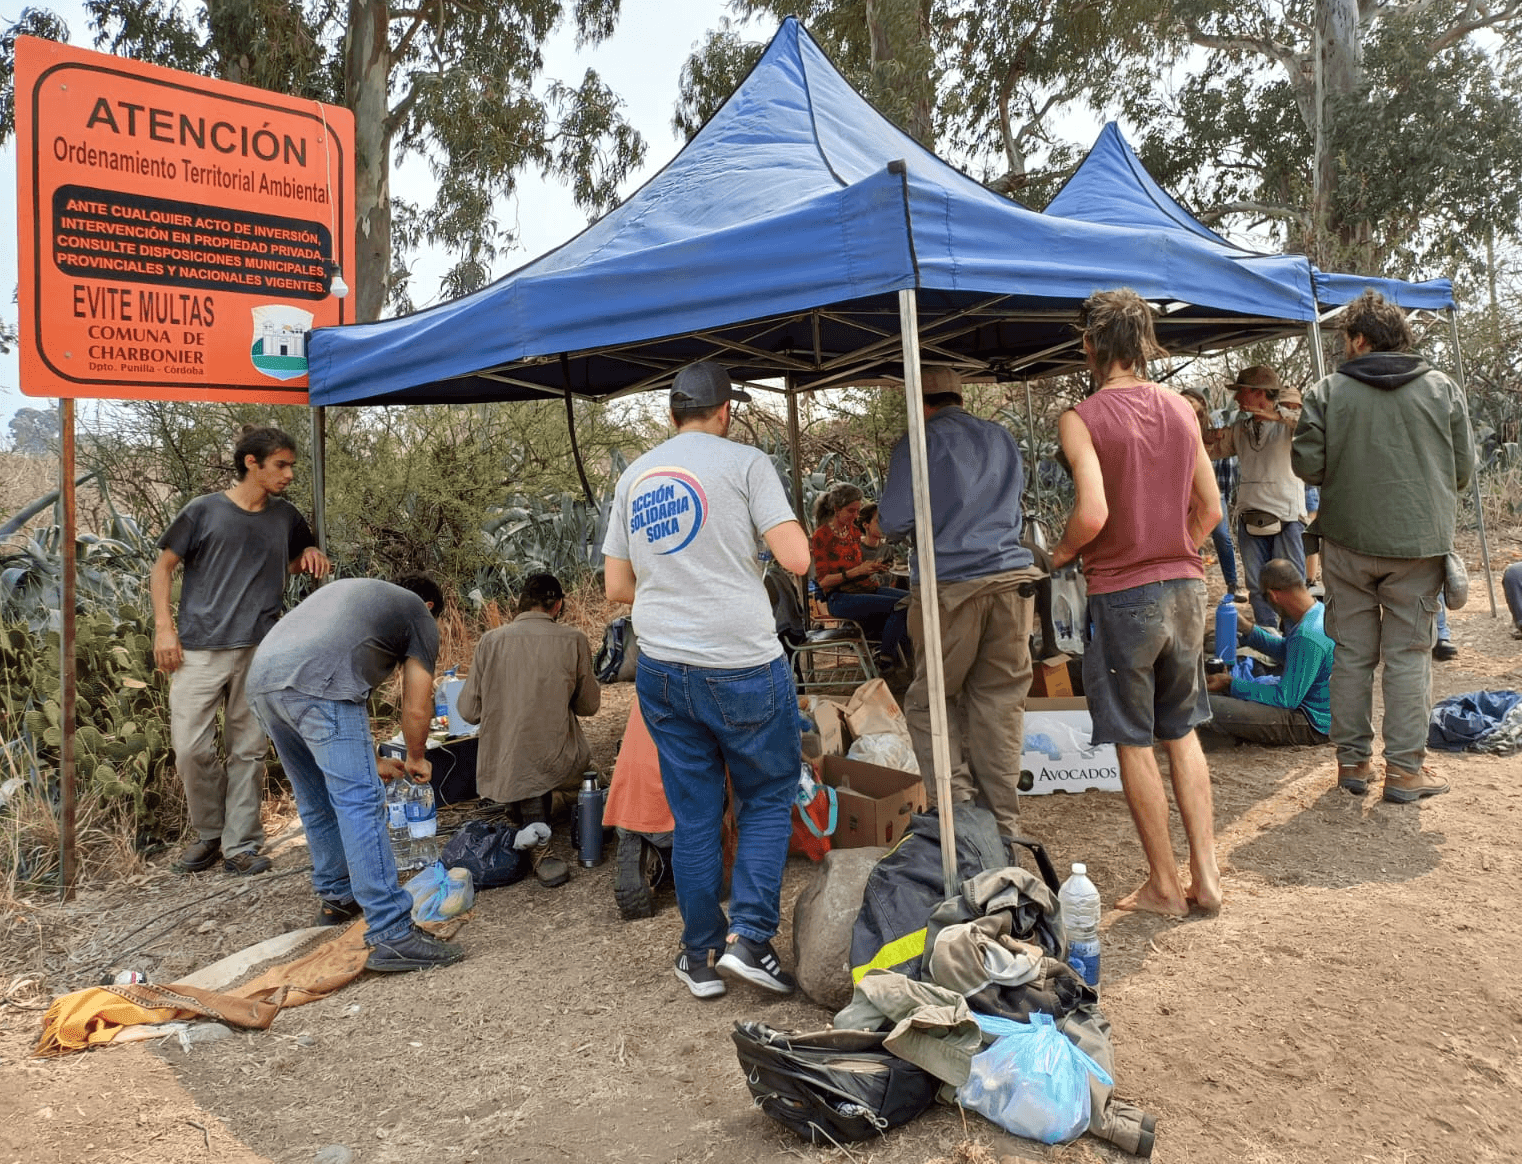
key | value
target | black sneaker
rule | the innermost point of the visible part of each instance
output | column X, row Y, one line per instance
column 1444, row 651
column 200, row 857
column 756, row 962
column 416, row 950
column 702, row 979
column 336, row 913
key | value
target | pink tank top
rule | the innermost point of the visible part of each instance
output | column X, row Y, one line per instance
column 1145, row 437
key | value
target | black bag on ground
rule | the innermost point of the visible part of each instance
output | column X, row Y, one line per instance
column 831, row 1086
column 619, row 654
column 485, row 847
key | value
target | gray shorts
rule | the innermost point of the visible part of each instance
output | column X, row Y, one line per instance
column 1144, row 663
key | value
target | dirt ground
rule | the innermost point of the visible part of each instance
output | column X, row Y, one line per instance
column 1356, row 1000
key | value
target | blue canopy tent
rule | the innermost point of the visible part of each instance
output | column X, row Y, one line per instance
column 1112, row 187
column 777, row 242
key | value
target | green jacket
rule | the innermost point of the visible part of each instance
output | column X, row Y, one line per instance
column 1387, row 439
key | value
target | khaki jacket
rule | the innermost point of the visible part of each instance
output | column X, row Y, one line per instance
column 528, row 682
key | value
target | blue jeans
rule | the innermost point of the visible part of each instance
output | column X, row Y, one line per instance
column 701, row 720
column 329, row 756
column 1221, row 536
column 878, row 613
column 1442, row 619
column 1288, row 544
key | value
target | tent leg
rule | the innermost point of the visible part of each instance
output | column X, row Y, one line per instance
column 1318, row 356
column 795, row 455
column 1030, row 441
column 68, row 857
column 795, row 450
column 320, row 476
column 1474, row 476
column 930, row 604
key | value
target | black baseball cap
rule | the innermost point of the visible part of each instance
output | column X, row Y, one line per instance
column 702, row 385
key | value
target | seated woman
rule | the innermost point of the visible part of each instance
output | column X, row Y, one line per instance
column 849, row 580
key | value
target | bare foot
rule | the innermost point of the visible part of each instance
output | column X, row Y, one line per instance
column 1210, row 904
column 1148, row 899
column 1204, row 892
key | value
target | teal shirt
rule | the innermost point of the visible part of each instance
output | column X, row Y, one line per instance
column 1306, row 653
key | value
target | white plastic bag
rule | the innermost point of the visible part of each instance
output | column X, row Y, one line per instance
column 887, row 750
column 1032, row 1081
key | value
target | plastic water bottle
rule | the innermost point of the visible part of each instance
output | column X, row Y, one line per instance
column 1080, row 921
column 441, row 701
column 422, row 826
column 1226, row 633
column 396, row 823
column 589, row 805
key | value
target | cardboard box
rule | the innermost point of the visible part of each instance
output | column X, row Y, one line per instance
column 1051, row 678
column 1058, row 756
column 874, row 802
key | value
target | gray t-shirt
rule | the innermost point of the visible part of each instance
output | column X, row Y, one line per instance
column 690, row 516
column 236, row 564
column 345, row 639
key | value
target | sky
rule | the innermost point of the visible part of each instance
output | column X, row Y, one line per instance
column 641, row 62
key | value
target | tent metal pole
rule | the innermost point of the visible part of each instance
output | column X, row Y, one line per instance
column 68, row 857
column 1030, row 439
column 320, row 476
column 795, row 449
column 1318, row 357
column 930, row 604
column 1474, row 473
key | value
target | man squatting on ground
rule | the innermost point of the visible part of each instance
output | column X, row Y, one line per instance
column 1145, row 498
column 237, row 548
column 1296, row 707
column 1270, row 500
column 1387, row 438
column 309, row 685
column 528, row 682
column 684, row 545
column 985, row 584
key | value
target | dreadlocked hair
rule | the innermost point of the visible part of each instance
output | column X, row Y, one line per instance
column 1117, row 328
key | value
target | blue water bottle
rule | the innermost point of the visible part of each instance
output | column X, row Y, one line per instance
column 1226, row 633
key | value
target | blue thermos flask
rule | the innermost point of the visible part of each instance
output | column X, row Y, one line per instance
column 589, row 804
column 1226, row 633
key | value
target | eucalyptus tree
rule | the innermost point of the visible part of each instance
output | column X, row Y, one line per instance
column 1372, row 134
column 457, row 83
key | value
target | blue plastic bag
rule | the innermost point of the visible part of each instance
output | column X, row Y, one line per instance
column 1032, row 1081
column 1462, row 721
column 439, row 894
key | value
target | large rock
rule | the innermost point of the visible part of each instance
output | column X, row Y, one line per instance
column 823, row 915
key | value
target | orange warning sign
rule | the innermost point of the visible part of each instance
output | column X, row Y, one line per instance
column 178, row 235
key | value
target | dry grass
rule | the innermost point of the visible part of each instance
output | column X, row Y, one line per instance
column 24, row 479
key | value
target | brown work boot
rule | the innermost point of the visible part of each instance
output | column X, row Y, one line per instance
column 200, row 857
column 1355, row 778
column 551, row 871
column 1404, row 787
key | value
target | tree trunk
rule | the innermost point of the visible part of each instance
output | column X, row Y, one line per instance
column 367, row 72
column 1337, row 63
column 902, row 59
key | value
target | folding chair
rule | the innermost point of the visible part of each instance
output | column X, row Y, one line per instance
column 822, row 656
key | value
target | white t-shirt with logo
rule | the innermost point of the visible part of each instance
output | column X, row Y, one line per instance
column 690, row 517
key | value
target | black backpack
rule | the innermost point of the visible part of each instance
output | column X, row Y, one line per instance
column 618, row 655
column 831, row 1086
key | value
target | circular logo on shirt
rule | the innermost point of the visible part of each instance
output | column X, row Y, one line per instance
column 667, row 507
